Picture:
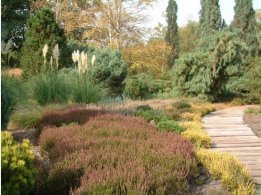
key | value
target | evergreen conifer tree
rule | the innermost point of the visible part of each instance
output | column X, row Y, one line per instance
column 42, row 29
column 244, row 23
column 172, row 37
column 210, row 17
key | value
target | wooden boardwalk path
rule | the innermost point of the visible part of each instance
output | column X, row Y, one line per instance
column 229, row 134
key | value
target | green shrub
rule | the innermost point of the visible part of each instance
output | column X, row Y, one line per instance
column 136, row 88
column 143, row 86
column 109, row 71
column 254, row 110
column 51, row 87
column 170, row 126
column 17, row 172
column 84, row 91
column 150, row 115
column 144, row 107
column 182, row 104
column 12, row 93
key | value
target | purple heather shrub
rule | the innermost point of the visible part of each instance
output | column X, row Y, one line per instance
column 116, row 154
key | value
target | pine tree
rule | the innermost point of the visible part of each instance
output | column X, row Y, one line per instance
column 172, row 36
column 42, row 29
column 244, row 23
column 210, row 17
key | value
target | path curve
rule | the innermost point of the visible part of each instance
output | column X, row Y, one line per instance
column 229, row 134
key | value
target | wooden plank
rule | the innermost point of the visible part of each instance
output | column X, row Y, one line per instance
column 257, row 180
column 221, row 134
column 253, row 167
column 235, row 145
column 246, row 139
column 231, row 132
column 256, row 173
column 228, row 129
column 258, row 148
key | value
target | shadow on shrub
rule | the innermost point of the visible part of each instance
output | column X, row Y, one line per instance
column 59, row 118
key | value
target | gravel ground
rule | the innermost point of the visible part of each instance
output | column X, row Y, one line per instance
column 254, row 122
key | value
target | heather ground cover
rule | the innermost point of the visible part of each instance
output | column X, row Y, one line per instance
column 118, row 154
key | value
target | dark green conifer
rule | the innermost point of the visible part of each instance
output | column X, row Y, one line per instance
column 244, row 23
column 172, row 37
column 42, row 29
column 210, row 17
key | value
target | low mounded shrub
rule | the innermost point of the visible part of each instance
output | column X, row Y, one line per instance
column 100, row 154
column 254, row 110
column 136, row 88
column 182, row 105
column 198, row 137
column 144, row 107
column 17, row 172
column 170, row 126
column 150, row 115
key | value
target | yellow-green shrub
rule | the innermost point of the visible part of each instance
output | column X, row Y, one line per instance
column 192, row 125
column 198, row 138
column 191, row 116
column 17, row 170
column 229, row 170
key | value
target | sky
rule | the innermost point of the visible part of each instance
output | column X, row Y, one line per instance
column 189, row 9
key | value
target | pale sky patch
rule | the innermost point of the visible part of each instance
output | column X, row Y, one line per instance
column 189, row 9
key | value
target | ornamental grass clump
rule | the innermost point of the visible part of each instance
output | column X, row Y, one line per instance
column 116, row 154
column 81, row 59
column 85, row 91
column 50, row 87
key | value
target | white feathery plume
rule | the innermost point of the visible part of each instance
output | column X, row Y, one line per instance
column 93, row 59
column 45, row 50
column 56, row 54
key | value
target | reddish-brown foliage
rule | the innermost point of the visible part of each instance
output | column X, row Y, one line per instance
column 117, row 154
column 69, row 115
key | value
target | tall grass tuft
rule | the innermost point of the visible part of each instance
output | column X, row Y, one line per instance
column 50, row 88
column 85, row 91
column 12, row 93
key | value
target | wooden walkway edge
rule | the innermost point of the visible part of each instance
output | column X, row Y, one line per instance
column 229, row 134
